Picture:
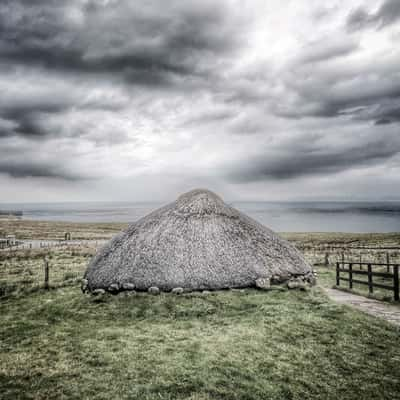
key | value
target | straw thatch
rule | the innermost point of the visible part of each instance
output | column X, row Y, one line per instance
column 197, row 242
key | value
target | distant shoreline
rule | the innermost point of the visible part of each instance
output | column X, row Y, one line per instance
column 279, row 216
column 11, row 213
column 43, row 229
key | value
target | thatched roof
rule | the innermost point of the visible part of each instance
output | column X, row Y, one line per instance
column 197, row 242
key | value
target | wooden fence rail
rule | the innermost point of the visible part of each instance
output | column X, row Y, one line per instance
column 394, row 276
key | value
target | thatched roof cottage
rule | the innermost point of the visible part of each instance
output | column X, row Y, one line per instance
column 197, row 242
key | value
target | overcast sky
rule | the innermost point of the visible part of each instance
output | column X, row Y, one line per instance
column 142, row 100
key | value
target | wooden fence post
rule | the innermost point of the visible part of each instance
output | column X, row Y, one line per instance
column 351, row 276
column 396, row 283
column 387, row 262
column 337, row 274
column 370, row 287
column 46, row 274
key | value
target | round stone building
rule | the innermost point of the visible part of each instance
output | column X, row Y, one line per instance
column 198, row 242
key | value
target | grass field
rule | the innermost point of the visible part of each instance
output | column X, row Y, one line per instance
column 26, row 229
column 225, row 345
column 23, row 271
column 228, row 345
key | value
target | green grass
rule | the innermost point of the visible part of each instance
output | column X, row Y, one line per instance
column 23, row 272
column 227, row 345
column 61, row 344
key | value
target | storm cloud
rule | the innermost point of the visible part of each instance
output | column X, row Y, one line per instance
column 147, row 43
column 33, row 169
column 388, row 13
column 247, row 98
column 317, row 157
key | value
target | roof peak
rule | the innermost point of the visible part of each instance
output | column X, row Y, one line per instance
column 202, row 201
column 199, row 192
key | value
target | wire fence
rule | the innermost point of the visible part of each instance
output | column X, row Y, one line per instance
column 330, row 255
column 50, row 244
column 23, row 271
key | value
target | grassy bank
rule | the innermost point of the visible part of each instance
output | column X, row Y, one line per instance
column 228, row 345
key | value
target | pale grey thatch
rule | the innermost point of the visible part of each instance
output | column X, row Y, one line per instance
column 197, row 242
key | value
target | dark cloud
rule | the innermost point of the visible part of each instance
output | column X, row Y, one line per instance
column 332, row 93
column 25, row 157
column 359, row 19
column 387, row 14
column 310, row 159
column 25, row 169
column 383, row 121
column 148, row 44
column 387, row 115
column 29, row 108
column 29, row 121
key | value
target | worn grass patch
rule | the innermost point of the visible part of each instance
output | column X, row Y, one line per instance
column 227, row 345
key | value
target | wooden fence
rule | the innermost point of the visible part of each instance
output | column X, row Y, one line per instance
column 327, row 254
column 370, row 274
column 28, row 271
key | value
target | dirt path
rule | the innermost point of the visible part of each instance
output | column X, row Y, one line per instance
column 373, row 307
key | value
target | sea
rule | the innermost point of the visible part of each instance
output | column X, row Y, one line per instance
column 280, row 216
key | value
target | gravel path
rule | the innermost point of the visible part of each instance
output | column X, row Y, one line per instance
column 373, row 307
